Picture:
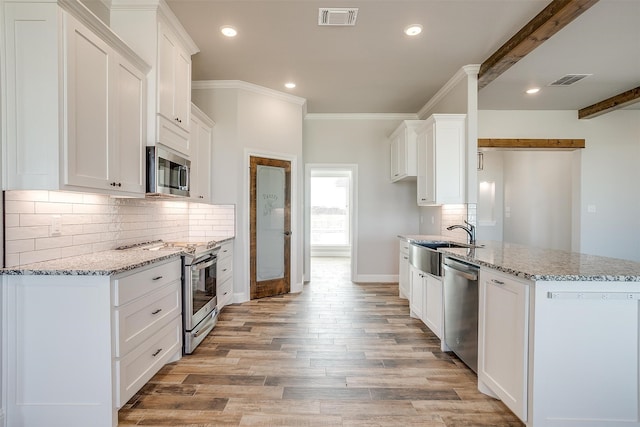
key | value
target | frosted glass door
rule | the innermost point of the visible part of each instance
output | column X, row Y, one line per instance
column 270, row 225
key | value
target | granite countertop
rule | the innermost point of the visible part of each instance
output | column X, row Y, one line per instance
column 105, row 263
column 540, row 264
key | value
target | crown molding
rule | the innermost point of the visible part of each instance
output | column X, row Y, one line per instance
column 462, row 73
column 163, row 10
column 361, row 116
column 250, row 87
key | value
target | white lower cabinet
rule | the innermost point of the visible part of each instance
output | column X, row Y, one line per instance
column 403, row 272
column 503, row 338
column 416, row 293
column 77, row 348
column 224, row 275
column 433, row 313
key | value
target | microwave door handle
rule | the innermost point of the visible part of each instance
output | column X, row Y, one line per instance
column 184, row 171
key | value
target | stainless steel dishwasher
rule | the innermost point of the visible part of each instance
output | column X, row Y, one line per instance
column 461, row 295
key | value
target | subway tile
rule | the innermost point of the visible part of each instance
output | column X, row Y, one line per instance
column 18, row 246
column 83, row 239
column 33, row 196
column 18, row 233
column 65, row 197
column 52, row 208
column 19, row 207
column 11, row 260
column 12, row 220
column 76, row 250
column 79, row 208
column 53, row 242
column 38, row 256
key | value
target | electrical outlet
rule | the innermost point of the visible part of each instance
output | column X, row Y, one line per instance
column 56, row 225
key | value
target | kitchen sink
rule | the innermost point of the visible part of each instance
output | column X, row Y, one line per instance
column 424, row 255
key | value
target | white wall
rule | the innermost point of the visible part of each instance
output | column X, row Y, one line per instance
column 253, row 120
column 385, row 209
column 537, row 194
column 607, row 169
column 492, row 173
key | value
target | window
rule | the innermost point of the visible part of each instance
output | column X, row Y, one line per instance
column 330, row 208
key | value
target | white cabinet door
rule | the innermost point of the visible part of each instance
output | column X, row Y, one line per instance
column 174, row 79
column 128, row 156
column 441, row 160
column 503, row 339
column 402, row 143
column 200, row 133
column 166, row 73
column 87, row 146
column 182, row 88
column 403, row 273
column 416, row 298
column 433, row 304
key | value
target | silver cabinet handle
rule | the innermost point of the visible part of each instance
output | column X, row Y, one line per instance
column 156, row 311
column 157, row 352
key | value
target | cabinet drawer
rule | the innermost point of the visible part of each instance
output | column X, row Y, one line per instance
column 137, row 367
column 141, row 282
column 224, row 269
column 404, row 246
column 226, row 250
column 138, row 320
column 224, row 292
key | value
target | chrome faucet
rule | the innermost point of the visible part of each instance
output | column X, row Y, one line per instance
column 471, row 231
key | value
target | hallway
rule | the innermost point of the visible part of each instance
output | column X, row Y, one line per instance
column 337, row 354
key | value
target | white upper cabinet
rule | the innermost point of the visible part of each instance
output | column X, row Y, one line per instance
column 441, row 160
column 403, row 151
column 167, row 46
column 201, row 131
column 75, row 103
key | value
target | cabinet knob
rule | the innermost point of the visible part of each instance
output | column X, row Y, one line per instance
column 201, row 197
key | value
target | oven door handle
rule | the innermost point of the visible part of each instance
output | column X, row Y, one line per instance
column 204, row 264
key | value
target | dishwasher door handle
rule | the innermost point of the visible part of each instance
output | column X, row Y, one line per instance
column 468, row 276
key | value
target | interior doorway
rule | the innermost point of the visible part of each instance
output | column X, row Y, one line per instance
column 330, row 212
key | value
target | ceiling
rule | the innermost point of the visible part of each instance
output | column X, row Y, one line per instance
column 373, row 67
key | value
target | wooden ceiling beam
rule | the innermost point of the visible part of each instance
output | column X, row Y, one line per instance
column 530, row 144
column 615, row 102
column 552, row 19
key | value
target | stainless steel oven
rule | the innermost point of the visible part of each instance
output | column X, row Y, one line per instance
column 200, row 313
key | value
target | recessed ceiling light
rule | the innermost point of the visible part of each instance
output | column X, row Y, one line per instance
column 533, row 90
column 413, row 30
column 228, row 31
column 290, row 85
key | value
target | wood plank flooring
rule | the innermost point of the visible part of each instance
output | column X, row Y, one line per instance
column 337, row 354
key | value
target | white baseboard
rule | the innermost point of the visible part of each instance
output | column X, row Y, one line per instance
column 376, row 278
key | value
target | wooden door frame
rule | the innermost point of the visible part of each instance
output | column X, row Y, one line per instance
column 281, row 285
column 353, row 168
column 243, row 218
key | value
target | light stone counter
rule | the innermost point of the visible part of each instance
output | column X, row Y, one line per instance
column 104, row 263
column 539, row 264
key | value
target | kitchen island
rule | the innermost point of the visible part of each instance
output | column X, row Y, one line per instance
column 558, row 333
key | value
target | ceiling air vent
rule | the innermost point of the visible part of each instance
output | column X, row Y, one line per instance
column 569, row 79
column 337, row 16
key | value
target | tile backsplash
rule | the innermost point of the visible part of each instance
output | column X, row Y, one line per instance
column 45, row 225
column 457, row 214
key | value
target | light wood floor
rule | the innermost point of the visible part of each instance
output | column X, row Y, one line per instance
column 337, row 354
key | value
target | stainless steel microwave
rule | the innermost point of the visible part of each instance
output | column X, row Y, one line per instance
column 167, row 173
